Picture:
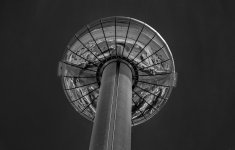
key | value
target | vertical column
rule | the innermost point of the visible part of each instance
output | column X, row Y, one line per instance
column 112, row 125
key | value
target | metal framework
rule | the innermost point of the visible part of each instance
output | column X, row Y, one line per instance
column 140, row 51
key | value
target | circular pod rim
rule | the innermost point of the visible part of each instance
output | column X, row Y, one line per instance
column 124, row 39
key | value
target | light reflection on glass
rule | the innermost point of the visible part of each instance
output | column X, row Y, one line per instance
column 135, row 41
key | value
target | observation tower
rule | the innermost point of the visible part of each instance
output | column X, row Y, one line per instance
column 117, row 72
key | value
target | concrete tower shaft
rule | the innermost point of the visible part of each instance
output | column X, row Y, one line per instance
column 112, row 125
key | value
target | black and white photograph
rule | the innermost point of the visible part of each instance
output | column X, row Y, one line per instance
column 117, row 75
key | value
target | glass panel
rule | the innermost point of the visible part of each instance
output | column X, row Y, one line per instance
column 143, row 48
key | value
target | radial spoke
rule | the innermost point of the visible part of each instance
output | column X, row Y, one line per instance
column 105, row 36
column 144, row 47
column 82, row 57
column 95, row 41
column 93, row 100
column 74, row 65
column 154, row 84
column 81, row 86
column 136, row 41
column 149, row 92
column 142, row 113
column 83, row 52
column 86, row 47
column 84, row 95
column 126, row 35
column 158, row 63
column 79, row 77
column 151, row 55
column 163, row 73
column 143, row 98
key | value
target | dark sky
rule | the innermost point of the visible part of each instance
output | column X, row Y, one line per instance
column 34, row 112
